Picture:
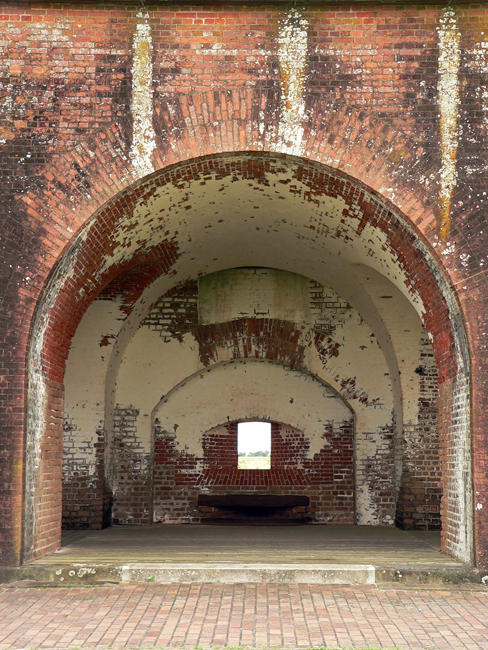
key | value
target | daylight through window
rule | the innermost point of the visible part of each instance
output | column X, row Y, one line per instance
column 254, row 445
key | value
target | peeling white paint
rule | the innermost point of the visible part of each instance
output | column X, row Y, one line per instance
column 143, row 134
column 292, row 57
column 448, row 100
column 459, row 498
column 459, row 494
column 157, row 364
column 35, row 421
column 249, row 389
column 320, row 255
column 277, row 209
column 84, row 381
column 405, row 330
column 160, row 365
column 250, row 293
column 150, row 368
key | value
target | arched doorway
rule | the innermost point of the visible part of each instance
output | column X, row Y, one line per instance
column 264, row 211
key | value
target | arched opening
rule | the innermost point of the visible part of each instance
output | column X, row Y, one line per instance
column 195, row 450
column 249, row 261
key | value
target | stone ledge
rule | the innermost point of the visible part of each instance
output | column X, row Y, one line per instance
column 333, row 574
column 79, row 574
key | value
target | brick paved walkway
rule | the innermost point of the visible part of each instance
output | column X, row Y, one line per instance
column 256, row 616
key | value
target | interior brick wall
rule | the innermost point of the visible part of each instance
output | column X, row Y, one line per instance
column 174, row 317
column 84, row 500
column 327, row 479
column 420, row 495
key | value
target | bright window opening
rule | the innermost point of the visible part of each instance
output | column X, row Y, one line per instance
column 254, row 445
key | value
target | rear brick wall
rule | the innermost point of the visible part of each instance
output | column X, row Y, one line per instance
column 327, row 479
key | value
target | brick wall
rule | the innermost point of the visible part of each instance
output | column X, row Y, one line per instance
column 83, row 480
column 420, row 492
column 327, row 479
column 327, row 332
column 74, row 115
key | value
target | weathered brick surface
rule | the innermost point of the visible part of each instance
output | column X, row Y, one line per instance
column 82, row 490
column 327, row 479
column 421, row 492
column 158, row 475
column 369, row 92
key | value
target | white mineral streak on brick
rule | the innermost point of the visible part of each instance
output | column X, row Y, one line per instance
column 448, row 100
column 143, row 135
column 480, row 64
column 292, row 56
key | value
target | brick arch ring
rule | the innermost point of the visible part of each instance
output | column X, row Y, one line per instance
column 226, row 210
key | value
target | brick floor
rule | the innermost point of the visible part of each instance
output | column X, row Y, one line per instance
column 248, row 615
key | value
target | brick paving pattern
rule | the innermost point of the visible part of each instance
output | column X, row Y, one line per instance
column 245, row 615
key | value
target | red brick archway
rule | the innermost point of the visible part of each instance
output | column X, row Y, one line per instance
column 104, row 250
column 67, row 152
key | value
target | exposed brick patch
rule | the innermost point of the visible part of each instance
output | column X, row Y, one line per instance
column 258, row 338
column 327, row 308
column 327, row 479
column 176, row 313
column 420, row 492
column 84, row 499
column 375, row 475
column 132, row 483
